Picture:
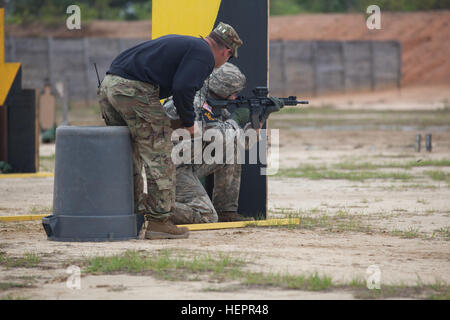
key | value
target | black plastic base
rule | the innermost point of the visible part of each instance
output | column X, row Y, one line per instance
column 91, row 228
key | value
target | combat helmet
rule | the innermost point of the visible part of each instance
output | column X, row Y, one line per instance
column 226, row 80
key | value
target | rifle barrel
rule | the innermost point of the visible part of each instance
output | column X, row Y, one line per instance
column 291, row 102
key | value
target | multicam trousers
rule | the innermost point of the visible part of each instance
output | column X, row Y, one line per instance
column 193, row 204
column 136, row 104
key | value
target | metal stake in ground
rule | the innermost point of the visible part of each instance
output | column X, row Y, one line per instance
column 428, row 142
column 418, row 142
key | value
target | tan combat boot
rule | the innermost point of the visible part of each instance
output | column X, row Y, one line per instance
column 230, row 216
column 165, row 229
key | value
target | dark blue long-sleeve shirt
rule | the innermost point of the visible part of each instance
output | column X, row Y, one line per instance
column 177, row 64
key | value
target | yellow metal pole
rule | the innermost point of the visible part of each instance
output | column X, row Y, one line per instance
column 28, row 217
column 191, row 227
column 8, row 71
column 241, row 224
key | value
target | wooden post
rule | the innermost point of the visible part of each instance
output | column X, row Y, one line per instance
column 47, row 109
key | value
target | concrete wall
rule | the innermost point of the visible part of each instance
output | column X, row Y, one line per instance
column 296, row 67
column 317, row 67
column 67, row 60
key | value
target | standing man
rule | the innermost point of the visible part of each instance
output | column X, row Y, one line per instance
column 129, row 95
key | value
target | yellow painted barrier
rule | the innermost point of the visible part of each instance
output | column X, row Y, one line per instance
column 191, row 227
column 26, row 175
column 28, row 217
column 241, row 224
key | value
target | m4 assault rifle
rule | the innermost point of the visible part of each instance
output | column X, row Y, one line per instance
column 260, row 105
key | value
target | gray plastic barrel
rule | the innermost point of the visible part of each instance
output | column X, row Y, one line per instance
column 93, row 186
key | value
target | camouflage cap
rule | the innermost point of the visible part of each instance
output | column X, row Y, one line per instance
column 227, row 80
column 228, row 36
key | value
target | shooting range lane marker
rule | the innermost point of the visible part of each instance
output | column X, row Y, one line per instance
column 240, row 224
column 192, row 227
column 28, row 217
column 26, row 175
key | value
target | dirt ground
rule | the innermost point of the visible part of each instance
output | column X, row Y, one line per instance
column 346, row 225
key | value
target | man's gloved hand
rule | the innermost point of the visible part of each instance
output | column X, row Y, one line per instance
column 277, row 105
column 240, row 115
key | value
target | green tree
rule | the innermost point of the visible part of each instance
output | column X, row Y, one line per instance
column 285, row 7
column 23, row 11
column 282, row 7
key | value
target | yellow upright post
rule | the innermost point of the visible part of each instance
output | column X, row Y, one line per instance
column 8, row 71
column 187, row 17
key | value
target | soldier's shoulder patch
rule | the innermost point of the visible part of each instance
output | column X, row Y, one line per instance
column 208, row 116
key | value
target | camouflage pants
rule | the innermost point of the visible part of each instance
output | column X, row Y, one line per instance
column 136, row 104
column 193, row 204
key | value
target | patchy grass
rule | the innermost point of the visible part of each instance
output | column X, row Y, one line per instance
column 11, row 297
column 439, row 296
column 13, row 285
column 443, row 232
column 225, row 268
column 430, row 163
column 358, row 286
column 29, row 260
column 410, row 233
column 42, row 210
column 227, row 288
column 423, row 201
column 312, row 282
column 164, row 264
column 47, row 163
column 439, row 175
column 361, row 171
column 318, row 173
column 171, row 267
column 49, row 158
column 351, row 165
column 340, row 221
column 403, row 291
column 409, row 186
column 344, row 221
column 327, row 115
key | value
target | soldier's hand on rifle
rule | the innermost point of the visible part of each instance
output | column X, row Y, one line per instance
column 275, row 107
column 240, row 115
